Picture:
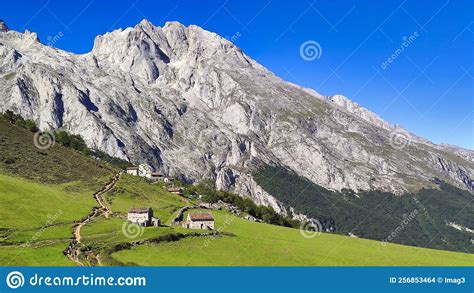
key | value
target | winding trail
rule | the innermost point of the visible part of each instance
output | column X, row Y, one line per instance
column 73, row 250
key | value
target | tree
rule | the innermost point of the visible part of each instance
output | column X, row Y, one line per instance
column 31, row 125
column 9, row 115
column 210, row 197
column 62, row 137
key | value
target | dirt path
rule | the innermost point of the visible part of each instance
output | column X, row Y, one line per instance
column 73, row 250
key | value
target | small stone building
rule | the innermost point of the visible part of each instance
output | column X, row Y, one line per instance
column 142, row 170
column 132, row 171
column 199, row 221
column 251, row 218
column 142, row 217
column 155, row 176
column 176, row 190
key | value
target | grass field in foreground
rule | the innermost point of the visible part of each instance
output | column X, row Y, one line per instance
column 48, row 255
column 252, row 244
column 109, row 231
column 25, row 204
column 267, row 245
column 26, row 207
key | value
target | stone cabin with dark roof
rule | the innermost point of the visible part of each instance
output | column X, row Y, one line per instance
column 176, row 190
column 199, row 221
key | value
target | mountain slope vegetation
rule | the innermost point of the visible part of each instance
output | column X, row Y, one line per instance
column 43, row 192
column 419, row 219
column 20, row 156
column 41, row 203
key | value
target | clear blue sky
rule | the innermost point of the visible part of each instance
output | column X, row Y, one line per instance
column 427, row 88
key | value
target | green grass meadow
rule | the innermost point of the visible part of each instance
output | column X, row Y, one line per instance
column 134, row 191
column 25, row 204
column 43, row 193
column 258, row 244
column 40, row 216
column 49, row 255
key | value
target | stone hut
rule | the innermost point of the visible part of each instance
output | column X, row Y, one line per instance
column 132, row 171
column 142, row 217
column 176, row 190
column 199, row 221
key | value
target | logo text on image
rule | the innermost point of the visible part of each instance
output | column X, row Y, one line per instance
column 15, row 280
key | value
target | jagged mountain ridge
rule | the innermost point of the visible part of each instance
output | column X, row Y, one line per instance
column 191, row 103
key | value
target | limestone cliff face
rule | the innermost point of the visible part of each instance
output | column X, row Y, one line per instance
column 190, row 103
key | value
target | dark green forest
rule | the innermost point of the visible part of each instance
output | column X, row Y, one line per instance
column 419, row 219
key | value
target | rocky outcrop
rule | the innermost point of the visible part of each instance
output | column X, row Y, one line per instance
column 220, row 205
column 190, row 103
column 3, row 26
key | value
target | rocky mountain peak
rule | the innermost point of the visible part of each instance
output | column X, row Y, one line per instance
column 190, row 103
column 141, row 50
column 145, row 23
column 3, row 26
column 147, row 50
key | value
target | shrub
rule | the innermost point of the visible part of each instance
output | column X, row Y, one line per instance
column 62, row 137
column 210, row 194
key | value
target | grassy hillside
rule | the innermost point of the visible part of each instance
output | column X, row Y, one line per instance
column 134, row 191
column 19, row 156
column 45, row 193
column 268, row 245
column 413, row 219
column 25, row 204
column 242, row 243
column 42, row 193
column 34, row 256
column 38, row 215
